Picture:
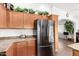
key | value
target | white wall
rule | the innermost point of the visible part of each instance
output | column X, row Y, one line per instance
column 62, row 16
column 16, row 32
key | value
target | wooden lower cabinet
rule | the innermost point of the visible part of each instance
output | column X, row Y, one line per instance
column 22, row 48
column 75, row 53
column 31, row 48
column 11, row 50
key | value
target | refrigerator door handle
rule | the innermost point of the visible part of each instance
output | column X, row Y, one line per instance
column 46, row 46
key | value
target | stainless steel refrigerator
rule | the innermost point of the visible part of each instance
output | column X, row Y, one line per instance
column 45, row 37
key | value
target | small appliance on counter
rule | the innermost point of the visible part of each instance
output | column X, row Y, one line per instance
column 45, row 37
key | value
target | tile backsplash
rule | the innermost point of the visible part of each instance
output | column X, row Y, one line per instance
column 16, row 32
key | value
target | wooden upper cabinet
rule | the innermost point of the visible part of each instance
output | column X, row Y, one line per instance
column 38, row 17
column 29, row 20
column 16, row 20
column 3, row 19
column 42, row 17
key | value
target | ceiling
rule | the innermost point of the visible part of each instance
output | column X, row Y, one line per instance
column 72, row 8
column 67, row 6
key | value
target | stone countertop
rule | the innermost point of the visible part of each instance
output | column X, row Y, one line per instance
column 6, row 43
column 74, row 46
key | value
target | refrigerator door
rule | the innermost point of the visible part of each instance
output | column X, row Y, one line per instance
column 44, row 39
column 51, row 31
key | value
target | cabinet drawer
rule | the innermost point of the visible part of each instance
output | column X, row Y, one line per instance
column 75, row 53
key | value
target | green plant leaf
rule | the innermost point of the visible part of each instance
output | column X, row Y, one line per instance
column 69, row 26
column 31, row 11
column 25, row 10
column 18, row 9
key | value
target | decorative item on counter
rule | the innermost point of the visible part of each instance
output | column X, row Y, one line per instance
column 31, row 11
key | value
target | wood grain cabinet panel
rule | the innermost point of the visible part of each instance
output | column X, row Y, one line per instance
column 16, row 20
column 29, row 20
column 31, row 48
column 44, row 17
column 3, row 20
column 11, row 50
column 75, row 53
column 38, row 16
column 22, row 48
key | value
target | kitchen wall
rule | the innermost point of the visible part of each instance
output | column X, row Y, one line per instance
column 16, row 32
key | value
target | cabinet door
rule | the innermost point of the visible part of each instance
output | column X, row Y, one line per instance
column 29, row 20
column 16, row 20
column 75, row 53
column 31, row 48
column 11, row 50
column 38, row 17
column 41, row 17
column 3, row 22
column 22, row 48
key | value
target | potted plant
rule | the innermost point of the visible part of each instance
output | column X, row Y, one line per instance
column 69, row 27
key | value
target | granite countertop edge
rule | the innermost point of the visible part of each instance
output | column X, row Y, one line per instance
column 74, row 46
column 13, row 39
